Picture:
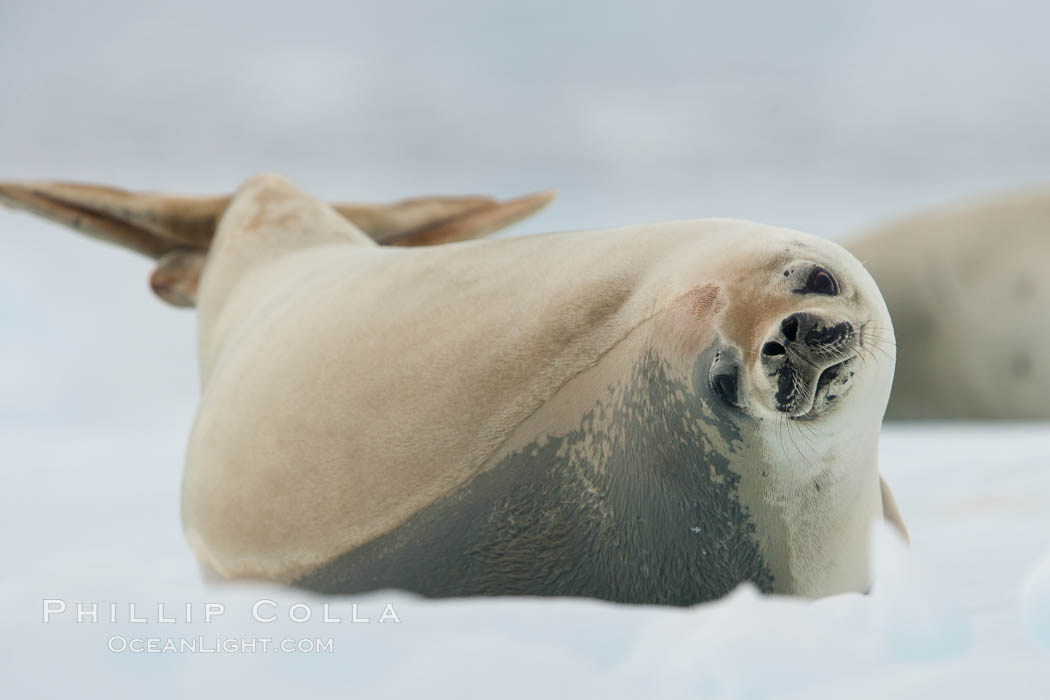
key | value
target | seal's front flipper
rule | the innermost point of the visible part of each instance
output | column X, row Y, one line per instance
column 890, row 511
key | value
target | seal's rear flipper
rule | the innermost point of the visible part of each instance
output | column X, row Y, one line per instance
column 84, row 208
column 178, row 229
column 387, row 222
column 155, row 224
column 480, row 222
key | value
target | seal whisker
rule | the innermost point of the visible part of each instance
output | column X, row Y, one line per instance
column 791, row 438
column 883, row 343
column 879, row 345
column 875, row 335
column 807, row 438
column 866, row 354
column 883, row 350
column 791, row 425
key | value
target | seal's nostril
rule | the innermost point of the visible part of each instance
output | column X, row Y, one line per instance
column 789, row 326
column 772, row 349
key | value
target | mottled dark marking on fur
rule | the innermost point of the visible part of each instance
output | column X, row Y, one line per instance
column 785, row 386
column 645, row 513
column 820, row 336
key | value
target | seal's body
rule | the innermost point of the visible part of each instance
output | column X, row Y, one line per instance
column 969, row 295
column 647, row 414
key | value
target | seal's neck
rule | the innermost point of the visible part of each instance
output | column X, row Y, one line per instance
column 825, row 512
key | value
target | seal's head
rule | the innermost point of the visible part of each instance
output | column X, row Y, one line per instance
column 806, row 334
column 802, row 366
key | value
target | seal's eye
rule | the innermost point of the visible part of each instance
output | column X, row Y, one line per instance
column 725, row 385
column 821, row 282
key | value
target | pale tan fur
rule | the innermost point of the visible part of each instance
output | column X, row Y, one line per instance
column 346, row 386
column 968, row 290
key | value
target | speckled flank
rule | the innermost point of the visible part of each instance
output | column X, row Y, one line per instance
column 637, row 504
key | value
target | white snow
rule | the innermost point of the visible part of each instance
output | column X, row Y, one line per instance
column 92, row 517
column 1035, row 601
